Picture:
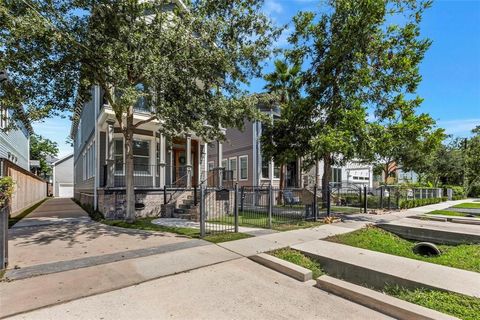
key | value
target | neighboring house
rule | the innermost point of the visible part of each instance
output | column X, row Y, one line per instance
column 241, row 157
column 15, row 163
column 15, row 143
column 63, row 177
column 406, row 176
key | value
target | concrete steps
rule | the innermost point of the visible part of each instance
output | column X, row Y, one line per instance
column 376, row 269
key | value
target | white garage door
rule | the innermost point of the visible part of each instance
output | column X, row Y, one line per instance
column 65, row 190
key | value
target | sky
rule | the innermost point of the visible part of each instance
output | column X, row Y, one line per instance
column 450, row 69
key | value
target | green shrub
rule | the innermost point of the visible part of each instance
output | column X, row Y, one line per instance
column 6, row 189
column 408, row 204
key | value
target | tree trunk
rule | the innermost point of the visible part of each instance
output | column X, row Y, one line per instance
column 129, row 183
column 327, row 177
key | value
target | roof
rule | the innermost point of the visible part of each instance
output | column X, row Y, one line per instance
column 63, row 159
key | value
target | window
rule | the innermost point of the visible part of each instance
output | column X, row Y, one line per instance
column 118, row 155
column 211, row 165
column 232, row 166
column 265, row 168
column 336, row 174
column 276, row 171
column 142, row 104
column 224, row 163
column 79, row 133
column 243, row 167
column 141, row 156
column 3, row 118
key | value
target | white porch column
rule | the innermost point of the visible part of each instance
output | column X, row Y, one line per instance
column 162, row 162
column 111, row 151
column 219, row 162
column 189, row 160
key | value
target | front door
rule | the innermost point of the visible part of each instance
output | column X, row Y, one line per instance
column 179, row 169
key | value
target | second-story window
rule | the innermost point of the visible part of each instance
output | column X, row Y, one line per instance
column 3, row 118
column 142, row 104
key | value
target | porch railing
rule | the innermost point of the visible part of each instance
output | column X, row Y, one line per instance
column 146, row 176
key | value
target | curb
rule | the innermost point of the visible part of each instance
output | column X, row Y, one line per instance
column 378, row 301
column 287, row 268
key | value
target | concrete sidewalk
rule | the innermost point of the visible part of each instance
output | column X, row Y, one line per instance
column 237, row 289
column 37, row 292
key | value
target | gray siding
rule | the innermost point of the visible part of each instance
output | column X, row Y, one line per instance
column 237, row 143
column 16, row 143
column 63, row 173
column 83, row 136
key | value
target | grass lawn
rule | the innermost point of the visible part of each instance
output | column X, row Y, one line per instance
column 146, row 224
column 300, row 259
column 450, row 213
column 468, row 205
column 260, row 220
column 457, row 305
column 13, row 220
column 465, row 256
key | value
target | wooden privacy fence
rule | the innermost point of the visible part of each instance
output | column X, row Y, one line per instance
column 28, row 189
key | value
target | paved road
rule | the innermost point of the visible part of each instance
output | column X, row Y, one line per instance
column 237, row 289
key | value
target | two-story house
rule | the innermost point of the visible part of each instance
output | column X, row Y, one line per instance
column 159, row 162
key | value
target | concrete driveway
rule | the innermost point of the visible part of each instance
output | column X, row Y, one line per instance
column 59, row 236
column 236, row 289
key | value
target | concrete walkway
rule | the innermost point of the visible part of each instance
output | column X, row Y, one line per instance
column 236, row 289
column 54, row 211
column 29, row 294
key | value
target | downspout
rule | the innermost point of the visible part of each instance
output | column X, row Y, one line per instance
column 96, row 183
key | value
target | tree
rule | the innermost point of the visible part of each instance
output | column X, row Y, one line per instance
column 186, row 61
column 40, row 149
column 404, row 142
column 280, row 134
column 472, row 163
column 357, row 58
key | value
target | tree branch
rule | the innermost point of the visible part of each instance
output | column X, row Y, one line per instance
column 138, row 124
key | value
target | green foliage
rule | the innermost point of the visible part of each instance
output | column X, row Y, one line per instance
column 186, row 64
column 469, row 205
column 472, row 162
column 300, row 259
column 458, row 191
column 457, row 305
column 413, row 203
column 465, row 256
column 6, row 189
column 146, row 224
column 40, row 148
column 450, row 213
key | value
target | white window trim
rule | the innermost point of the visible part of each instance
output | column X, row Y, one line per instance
column 240, row 167
column 152, row 152
column 235, row 177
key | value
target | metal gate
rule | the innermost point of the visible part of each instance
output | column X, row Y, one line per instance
column 218, row 210
column 4, row 236
column 346, row 198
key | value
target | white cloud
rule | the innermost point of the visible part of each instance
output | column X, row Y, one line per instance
column 459, row 127
column 272, row 6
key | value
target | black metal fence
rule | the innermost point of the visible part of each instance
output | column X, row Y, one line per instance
column 391, row 197
column 225, row 209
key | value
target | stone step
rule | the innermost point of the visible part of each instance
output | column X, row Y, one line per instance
column 375, row 269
